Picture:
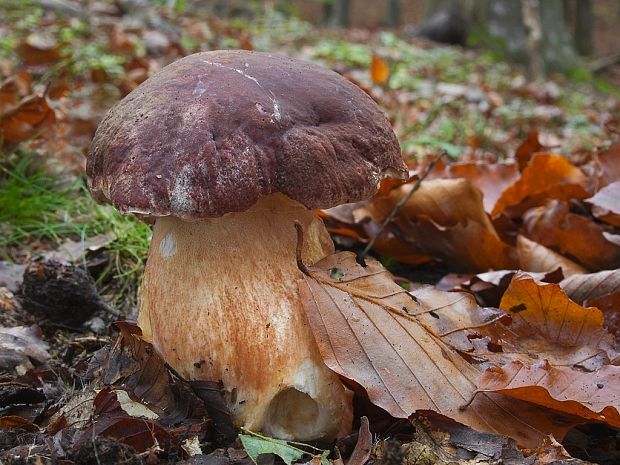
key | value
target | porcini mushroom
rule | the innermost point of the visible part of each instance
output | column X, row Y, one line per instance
column 225, row 150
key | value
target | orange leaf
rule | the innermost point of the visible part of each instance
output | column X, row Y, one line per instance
column 572, row 235
column 546, row 176
column 528, row 147
column 491, row 178
column 379, row 70
column 566, row 333
column 591, row 396
column 447, row 219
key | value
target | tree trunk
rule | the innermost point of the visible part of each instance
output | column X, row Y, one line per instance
column 393, row 13
column 583, row 27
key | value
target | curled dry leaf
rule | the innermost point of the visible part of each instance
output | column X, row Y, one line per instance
column 446, row 218
column 606, row 204
column 547, row 176
column 369, row 330
column 572, row 235
column 538, row 258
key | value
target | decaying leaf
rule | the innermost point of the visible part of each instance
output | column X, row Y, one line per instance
column 368, row 329
column 572, row 235
column 606, row 204
column 564, row 331
column 547, row 176
column 586, row 287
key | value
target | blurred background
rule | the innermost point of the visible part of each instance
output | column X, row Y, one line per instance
column 472, row 78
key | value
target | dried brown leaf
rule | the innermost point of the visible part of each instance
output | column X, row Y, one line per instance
column 591, row 396
column 606, row 204
column 538, row 258
column 446, row 219
column 369, row 330
column 572, row 235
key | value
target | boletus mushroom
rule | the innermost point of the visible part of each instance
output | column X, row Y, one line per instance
column 224, row 151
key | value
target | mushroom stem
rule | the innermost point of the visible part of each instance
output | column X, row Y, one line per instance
column 219, row 301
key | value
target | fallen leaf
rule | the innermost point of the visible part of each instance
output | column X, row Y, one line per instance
column 20, row 346
column 528, row 147
column 546, row 176
column 606, row 204
column 591, row 396
column 585, row 287
column 600, row 290
column 255, row 445
column 607, row 165
column 361, row 453
column 491, row 178
column 538, row 258
column 446, row 219
column 25, row 119
column 368, row 329
column 379, row 70
column 555, row 327
column 572, row 235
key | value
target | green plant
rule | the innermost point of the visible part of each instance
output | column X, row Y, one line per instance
column 35, row 206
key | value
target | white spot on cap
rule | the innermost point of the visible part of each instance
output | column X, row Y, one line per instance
column 168, row 245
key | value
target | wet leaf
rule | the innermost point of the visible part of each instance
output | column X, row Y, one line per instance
column 26, row 119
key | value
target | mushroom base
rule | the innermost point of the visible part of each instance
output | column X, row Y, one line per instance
column 220, row 302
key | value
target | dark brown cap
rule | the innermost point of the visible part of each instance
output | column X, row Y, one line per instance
column 215, row 131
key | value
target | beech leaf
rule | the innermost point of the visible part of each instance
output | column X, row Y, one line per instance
column 370, row 330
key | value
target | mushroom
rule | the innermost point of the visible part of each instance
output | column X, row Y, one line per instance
column 224, row 151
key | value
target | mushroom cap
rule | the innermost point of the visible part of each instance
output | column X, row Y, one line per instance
column 213, row 132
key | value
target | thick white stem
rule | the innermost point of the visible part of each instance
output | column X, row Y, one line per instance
column 219, row 300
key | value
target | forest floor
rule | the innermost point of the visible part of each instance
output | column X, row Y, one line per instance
column 70, row 268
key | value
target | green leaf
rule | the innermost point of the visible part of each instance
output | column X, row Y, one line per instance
column 255, row 446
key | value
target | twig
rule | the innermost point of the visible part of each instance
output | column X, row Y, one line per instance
column 300, row 245
column 361, row 257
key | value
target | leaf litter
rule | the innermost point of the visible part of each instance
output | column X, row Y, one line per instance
column 503, row 351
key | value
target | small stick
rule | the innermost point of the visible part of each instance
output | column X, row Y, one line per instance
column 300, row 245
column 361, row 258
